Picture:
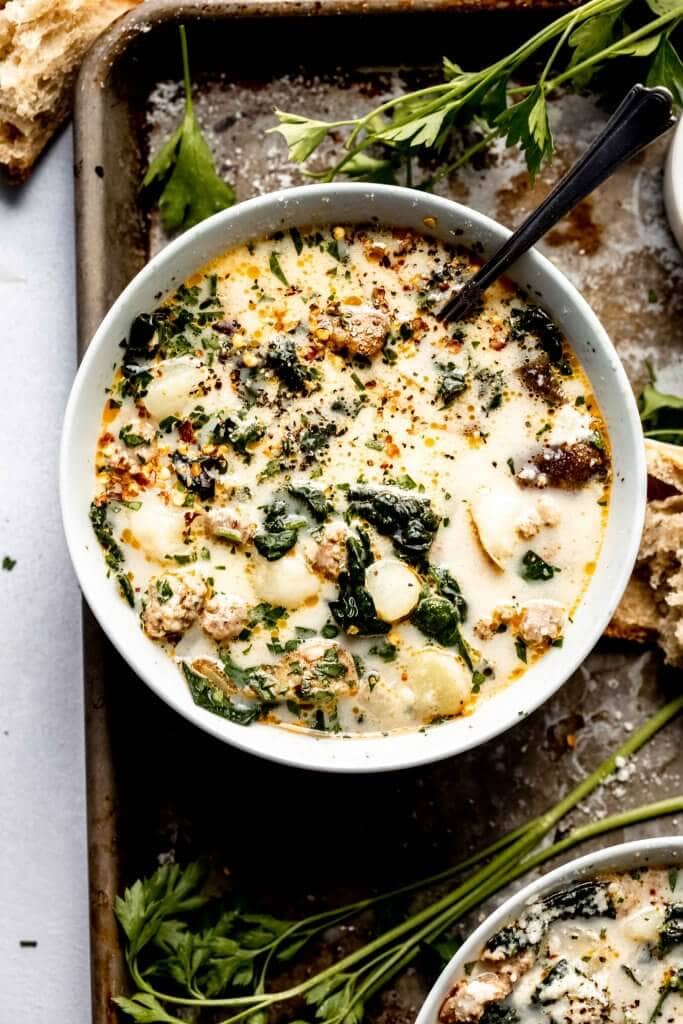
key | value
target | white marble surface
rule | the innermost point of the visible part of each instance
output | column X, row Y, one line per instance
column 43, row 882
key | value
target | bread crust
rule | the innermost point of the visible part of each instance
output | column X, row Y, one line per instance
column 652, row 605
column 42, row 44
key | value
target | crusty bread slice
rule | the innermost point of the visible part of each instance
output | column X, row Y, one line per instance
column 42, row 43
column 652, row 607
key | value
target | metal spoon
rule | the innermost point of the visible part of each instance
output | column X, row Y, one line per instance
column 642, row 116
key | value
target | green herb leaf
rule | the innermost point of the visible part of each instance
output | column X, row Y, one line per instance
column 386, row 651
column 667, row 69
column 8, row 563
column 521, row 649
column 145, row 1008
column 275, row 268
column 302, row 134
column 526, row 122
column 130, row 439
column 183, row 172
column 433, row 119
column 661, row 414
column 113, row 555
column 126, row 589
column 591, row 38
column 164, row 590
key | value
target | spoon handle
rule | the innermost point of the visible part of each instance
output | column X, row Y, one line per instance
column 643, row 115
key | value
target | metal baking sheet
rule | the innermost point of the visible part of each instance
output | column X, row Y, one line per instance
column 157, row 787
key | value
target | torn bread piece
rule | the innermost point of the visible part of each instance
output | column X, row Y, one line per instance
column 652, row 606
column 42, row 43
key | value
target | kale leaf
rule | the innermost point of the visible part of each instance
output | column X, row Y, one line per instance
column 201, row 480
column 142, row 344
column 499, row 1013
column 239, row 434
column 354, row 608
column 410, row 521
column 437, row 618
column 447, row 585
column 440, row 611
column 283, row 359
column 671, row 933
column 452, row 383
column 533, row 320
column 206, row 695
column 280, row 533
column 535, row 568
column 316, row 502
column 586, row 899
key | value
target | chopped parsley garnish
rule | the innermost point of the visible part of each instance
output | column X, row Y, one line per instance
column 131, row 439
column 385, row 650
column 280, row 531
column 274, row 264
column 164, row 590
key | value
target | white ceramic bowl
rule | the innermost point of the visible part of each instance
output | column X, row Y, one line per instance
column 673, row 184
column 638, row 854
column 397, row 207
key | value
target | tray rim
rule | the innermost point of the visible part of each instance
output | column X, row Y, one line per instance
column 107, row 965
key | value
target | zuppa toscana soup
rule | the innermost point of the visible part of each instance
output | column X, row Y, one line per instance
column 335, row 512
column 606, row 951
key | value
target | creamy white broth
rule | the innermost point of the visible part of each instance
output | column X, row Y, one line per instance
column 608, row 951
column 317, row 362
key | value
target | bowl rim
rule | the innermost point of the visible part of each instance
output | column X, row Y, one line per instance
column 659, row 849
column 373, row 753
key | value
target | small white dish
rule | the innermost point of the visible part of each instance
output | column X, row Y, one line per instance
column 638, row 854
column 673, row 184
column 451, row 222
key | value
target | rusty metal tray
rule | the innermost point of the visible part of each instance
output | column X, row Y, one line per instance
column 158, row 787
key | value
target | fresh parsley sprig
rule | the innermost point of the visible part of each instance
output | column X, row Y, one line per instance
column 660, row 414
column 229, row 961
column 429, row 121
column 182, row 175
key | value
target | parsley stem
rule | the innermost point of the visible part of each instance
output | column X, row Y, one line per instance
column 621, row 44
column 464, row 158
column 516, row 858
column 571, row 25
column 186, row 69
column 577, row 835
